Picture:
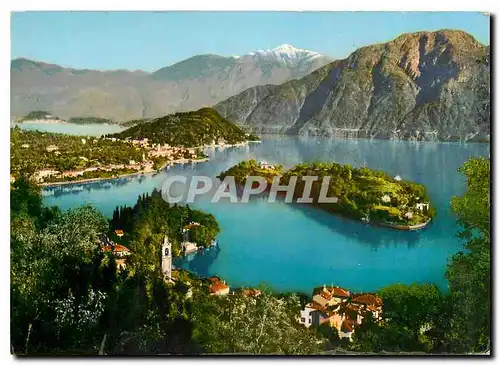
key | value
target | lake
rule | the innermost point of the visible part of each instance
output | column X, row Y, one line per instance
column 296, row 247
column 71, row 128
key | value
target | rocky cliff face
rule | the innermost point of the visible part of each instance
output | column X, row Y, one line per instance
column 123, row 95
column 420, row 86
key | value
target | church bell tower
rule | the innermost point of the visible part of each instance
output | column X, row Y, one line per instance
column 166, row 258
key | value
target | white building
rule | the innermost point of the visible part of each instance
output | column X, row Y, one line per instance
column 386, row 198
column 306, row 316
column 311, row 315
column 264, row 165
column 422, row 206
column 166, row 258
column 408, row 215
column 189, row 247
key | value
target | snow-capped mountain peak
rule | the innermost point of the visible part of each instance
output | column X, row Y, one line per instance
column 285, row 53
column 286, row 48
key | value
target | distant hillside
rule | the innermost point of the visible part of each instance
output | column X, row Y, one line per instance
column 423, row 86
column 121, row 95
column 89, row 120
column 191, row 129
column 38, row 115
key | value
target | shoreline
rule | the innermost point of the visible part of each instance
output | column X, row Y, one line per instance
column 40, row 122
column 402, row 227
column 291, row 135
column 398, row 227
column 142, row 172
column 284, row 134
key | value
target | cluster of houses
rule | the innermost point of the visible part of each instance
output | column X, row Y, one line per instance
column 156, row 150
column 119, row 251
column 173, row 153
column 409, row 213
column 340, row 309
column 40, row 175
column 186, row 245
column 265, row 165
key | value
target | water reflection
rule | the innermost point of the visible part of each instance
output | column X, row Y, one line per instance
column 90, row 186
column 370, row 235
column 200, row 262
column 293, row 246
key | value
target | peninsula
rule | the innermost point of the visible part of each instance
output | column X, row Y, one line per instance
column 52, row 158
column 358, row 193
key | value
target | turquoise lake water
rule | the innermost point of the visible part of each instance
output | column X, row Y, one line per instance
column 296, row 247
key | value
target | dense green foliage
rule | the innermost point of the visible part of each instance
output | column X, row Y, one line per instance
column 419, row 317
column 90, row 120
column 413, row 317
column 147, row 222
column 36, row 114
column 26, row 202
column 71, row 152
column 59, row 283
column 190, row 129
column 131, row 123
column 360, row 191
column 243, row 169
column 469, row 272
column 68, row 297
column 264, row 325
column 473, row 208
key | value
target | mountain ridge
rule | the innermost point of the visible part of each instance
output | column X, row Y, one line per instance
column 193, row 83
column 422, row 86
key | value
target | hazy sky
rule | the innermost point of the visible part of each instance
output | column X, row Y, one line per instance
column 151, row 40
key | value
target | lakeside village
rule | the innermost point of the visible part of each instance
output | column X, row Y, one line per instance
column 157, row 157
column 336, row 307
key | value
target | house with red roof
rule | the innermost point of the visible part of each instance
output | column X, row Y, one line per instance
column 217, row 286
column 329, row 296
column 116, row 249
column 346, row 329
column 340, row 308
column 119, row 251
column 369, row 303
column 251, row 292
